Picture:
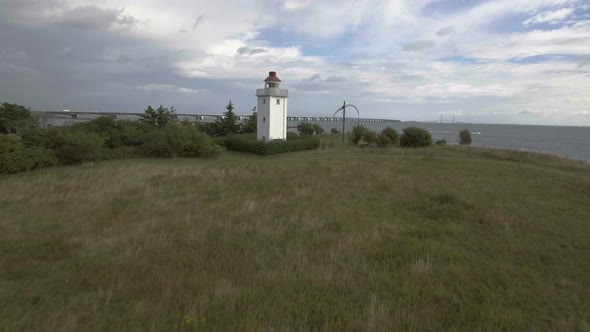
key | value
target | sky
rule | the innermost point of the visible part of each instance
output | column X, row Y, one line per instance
column 480, row 61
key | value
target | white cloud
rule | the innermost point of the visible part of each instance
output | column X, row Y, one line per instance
column 292, row 5
column 373, row 51
column 551, row 17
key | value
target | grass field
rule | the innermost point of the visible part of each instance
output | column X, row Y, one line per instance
column 336, row 239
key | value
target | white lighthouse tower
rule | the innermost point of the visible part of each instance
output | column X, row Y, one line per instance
column 272, row 110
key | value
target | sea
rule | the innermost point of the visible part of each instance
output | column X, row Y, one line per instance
column 566, row 141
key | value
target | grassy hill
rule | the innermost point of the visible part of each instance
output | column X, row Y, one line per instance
column 336, row 239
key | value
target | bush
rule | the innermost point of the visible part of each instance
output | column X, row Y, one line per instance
column 177, row 140
column 14, row 118
column 79, row 147
column 305, row 128
column 334, row 131
column 392, row 134
column 464, row 137
column 248, row 143
column 441, row 142
column 370, row 136
column 116, row 133
column 15, row 157
column 357, row 133
column 317, row 129
column 415, row 137
column 383, row 140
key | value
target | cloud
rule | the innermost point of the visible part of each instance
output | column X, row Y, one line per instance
column 36, row 5
column 293, row 5
column 419, row 45
column 366, row 52
column 335, row 79
column 96, row 18
column 245, row 50
column 314, row 78
column 551, row 17
column 167, row 88
column 445, row 31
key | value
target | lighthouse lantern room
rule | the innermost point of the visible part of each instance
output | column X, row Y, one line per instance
column 271, row 110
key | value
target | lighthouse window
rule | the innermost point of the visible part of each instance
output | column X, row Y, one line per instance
column 278, row 101
column 263, row 120
column 264, row 100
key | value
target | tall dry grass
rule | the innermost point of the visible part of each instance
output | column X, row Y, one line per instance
column 337, row 239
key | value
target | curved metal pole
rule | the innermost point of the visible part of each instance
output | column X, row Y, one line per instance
column 343, row 109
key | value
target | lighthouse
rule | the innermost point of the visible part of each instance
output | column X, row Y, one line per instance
column 272, row 110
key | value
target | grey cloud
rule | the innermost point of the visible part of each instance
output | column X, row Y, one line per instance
column 199, row 21
column 446, row 31
column 15, row 55
column 183, row 31
column 95, row 18
column 123, row 59
column 314, row 78
column 419, row 45
column 335, row 79
column 29, row 5
column 245, row 50
column 525, row 112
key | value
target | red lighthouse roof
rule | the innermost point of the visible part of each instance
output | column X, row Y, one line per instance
column 272, row 77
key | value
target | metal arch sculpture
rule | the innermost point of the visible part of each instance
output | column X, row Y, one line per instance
column 343, row 109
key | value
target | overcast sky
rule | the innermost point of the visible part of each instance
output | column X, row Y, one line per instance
column 494, row 61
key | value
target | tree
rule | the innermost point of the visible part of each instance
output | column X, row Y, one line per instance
column 159, row 117
column 15, row 117
column 415, row 137
column 383, row 140
column 357, row 133
column 464, row 137
column 228, row 123
column 317, row 129
column 250, row 125
column 391, row 134
column 305, row 128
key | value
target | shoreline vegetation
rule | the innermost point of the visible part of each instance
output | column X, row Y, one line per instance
column 342, row 237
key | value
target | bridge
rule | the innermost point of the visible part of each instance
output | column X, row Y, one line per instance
column 116, row 115
column 203, row 116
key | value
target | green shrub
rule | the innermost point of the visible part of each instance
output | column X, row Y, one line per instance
column 15, row 157
column 464, row 137
column 392, row 134
column 383, row 140
column 248, row 143
column 14, row 118
column 79, row 147
column 334, row 131
column 305, row 128
column 415, row 137
column 177, row 140
column 357, row 133
column 441, row 142
column 317, row 129
column 116, row 133
column 50, row 138
column 370, row 136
